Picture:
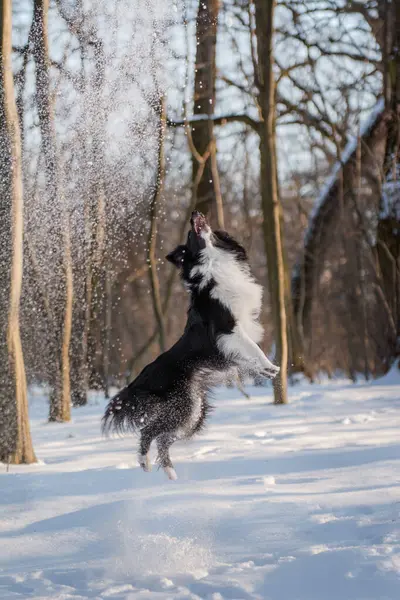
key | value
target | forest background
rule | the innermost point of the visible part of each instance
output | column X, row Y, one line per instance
column 279, row 120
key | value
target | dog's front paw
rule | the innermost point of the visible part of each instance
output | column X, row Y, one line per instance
column 255, row 369
column 270, row 372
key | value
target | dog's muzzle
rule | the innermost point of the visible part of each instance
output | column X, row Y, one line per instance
column 198, row 222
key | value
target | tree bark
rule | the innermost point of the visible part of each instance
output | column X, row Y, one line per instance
column 91, row 367
column 204, row 102
column 59, row 233
column 376, row 163
column 152, row 239
column 264, row 15
column 97, row 224
column 15, row 440
column 107, row 333
column 388, row 232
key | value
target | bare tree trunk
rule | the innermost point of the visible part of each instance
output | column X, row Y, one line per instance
column 91, row 361
column 264, row 15
column 97, row 225
column 296, row 358
column 361, row 288
column 80, row 381
column 15, row 439
column 152, row 239
column 107, row 332
column 67, row 325
column 59, row 238
column 388, row 233
column 350, row 318
column 204, row 101
column 219, row 205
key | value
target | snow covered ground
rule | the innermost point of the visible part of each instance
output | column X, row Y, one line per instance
column 298, row 502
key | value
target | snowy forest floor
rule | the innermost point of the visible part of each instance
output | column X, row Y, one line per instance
column 297, row 502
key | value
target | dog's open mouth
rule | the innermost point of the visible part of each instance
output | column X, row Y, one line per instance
column 198, row 222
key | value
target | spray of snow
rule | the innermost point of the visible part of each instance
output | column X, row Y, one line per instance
column 144, row 548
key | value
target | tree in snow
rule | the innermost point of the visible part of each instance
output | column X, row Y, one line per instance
column 388, row 229
column 204, row 98
column 265, row 81
column 15, row 440
column 60, row 290
column 349, row 203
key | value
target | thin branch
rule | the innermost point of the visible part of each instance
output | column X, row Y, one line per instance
column 220, row 120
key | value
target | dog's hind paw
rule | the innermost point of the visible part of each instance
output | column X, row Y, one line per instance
column 171, row 473
column 144, row 462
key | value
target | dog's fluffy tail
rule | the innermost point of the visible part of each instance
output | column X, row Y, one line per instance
column 123, row 413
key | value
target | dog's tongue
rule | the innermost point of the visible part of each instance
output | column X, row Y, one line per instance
column 198, row 221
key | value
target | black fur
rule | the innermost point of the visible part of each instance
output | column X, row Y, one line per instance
column 168, row 399
column 162, row 403
column 223, row 240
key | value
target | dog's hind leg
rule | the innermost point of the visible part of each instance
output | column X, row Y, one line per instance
column 147, row 436
column 164, row 441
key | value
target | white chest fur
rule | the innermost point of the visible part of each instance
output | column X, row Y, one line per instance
column 234, row 287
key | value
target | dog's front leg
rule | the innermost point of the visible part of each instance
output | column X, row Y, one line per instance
column 239, row 347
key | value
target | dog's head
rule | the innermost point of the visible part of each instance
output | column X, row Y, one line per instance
column 186, row 255
column 201, row 242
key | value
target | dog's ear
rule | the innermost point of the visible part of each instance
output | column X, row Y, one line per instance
column 224, row 241
column 177, row 256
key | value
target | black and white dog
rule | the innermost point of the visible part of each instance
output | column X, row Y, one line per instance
column 168, row 399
